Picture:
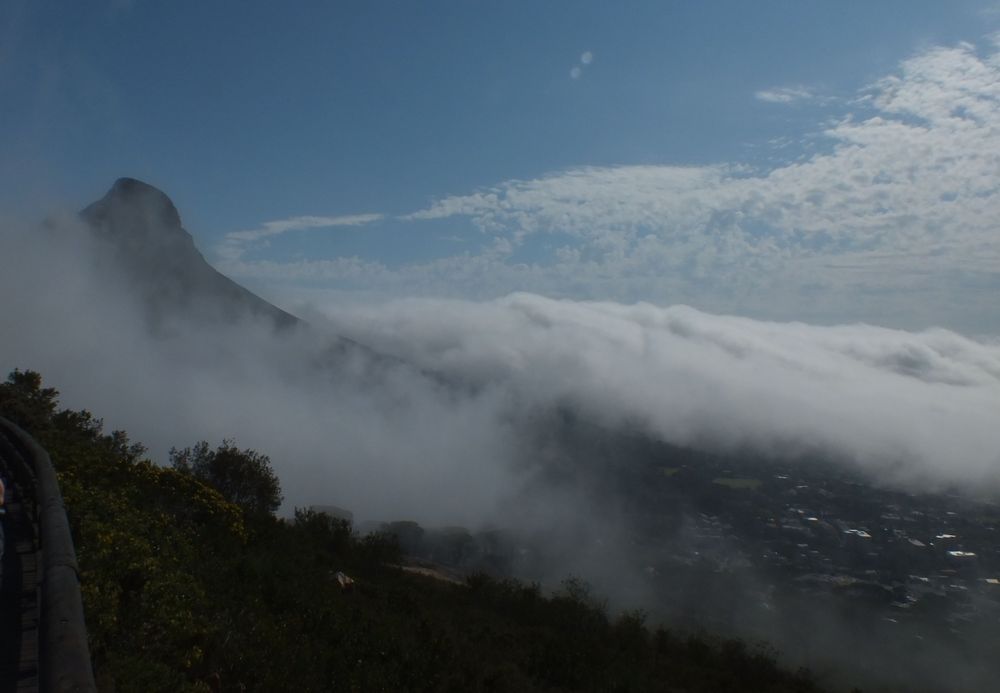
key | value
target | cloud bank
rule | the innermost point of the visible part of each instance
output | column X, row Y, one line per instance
column 440, row 420
column 341, row 425
column 912, row 408
column 444, row 407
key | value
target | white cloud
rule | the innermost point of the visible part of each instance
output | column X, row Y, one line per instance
column 914, row 407
column 235, row 243
column 586, row 58
column 786, row 94
column 274, row 228
column 381, row 437
column 896, row 219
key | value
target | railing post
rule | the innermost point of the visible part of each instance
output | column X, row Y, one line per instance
column 64, row 656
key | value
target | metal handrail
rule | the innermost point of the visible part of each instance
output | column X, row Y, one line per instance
column 64, row 656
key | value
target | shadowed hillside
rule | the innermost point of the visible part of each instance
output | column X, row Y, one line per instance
column 185, row 590
column 150, row 245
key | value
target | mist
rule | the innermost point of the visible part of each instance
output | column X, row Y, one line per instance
column 917, row 409
column 342, row 427
column 442, row 411
column 433, row 405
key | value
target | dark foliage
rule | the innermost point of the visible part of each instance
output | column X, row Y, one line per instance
column 243, row 477
column 183, row 588
column 24, row 401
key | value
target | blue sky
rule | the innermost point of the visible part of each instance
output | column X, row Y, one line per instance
column 818, row 161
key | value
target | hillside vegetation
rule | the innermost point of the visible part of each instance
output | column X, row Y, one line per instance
column 190, row 583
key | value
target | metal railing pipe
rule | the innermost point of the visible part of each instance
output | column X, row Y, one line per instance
column 64, row 656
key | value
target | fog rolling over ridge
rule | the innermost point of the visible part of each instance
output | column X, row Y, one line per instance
column 521, row 413
column 914, row 408
column 171, row 366
column 119, row 310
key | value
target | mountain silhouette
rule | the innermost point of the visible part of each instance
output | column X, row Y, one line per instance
column 144, row 234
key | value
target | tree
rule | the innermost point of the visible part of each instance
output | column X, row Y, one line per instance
column 24, row 401
column 243, row 477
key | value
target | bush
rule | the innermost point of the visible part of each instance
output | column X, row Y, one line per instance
column 243, row 477
column 183, row 588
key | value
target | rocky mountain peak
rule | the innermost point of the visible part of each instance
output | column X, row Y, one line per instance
column 143, row 230
column 133, row 206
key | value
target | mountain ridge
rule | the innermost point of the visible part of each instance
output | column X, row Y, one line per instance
column 144, row 230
